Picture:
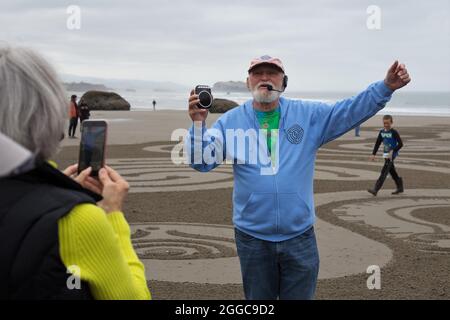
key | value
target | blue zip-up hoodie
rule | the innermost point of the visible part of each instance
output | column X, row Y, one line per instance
column 280, row 206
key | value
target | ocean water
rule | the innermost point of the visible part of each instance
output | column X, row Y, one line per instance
column 402, row 103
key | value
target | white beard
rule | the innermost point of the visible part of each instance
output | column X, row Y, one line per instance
column 265, row 96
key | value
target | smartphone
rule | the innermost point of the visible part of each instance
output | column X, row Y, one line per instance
column 92, row 146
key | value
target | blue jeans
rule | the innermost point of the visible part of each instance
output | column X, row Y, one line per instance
column 286, row 270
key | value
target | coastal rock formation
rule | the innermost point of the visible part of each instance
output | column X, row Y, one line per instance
column 84, row 86
column 101, row 100
column 222, row 105
column 230, row 86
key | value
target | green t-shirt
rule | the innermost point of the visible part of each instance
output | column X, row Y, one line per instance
column 268, row 121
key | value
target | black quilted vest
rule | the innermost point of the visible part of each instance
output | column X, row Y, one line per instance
column 30, row 206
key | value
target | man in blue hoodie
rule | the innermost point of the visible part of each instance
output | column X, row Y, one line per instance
column 272, row 143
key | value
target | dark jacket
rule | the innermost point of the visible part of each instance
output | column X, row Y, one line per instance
column 30, row 206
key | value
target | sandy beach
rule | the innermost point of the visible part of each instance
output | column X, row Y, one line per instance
column 181, row 220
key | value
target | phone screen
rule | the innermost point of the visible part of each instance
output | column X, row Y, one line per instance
column 92, row 146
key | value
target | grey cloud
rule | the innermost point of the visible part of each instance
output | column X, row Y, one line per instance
column 324, row 44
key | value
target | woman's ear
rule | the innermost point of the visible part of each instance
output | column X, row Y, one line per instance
column 248, row 85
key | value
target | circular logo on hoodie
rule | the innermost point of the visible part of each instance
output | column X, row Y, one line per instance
column 295, row 134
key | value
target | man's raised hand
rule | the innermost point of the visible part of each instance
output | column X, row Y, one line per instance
column 397, row 76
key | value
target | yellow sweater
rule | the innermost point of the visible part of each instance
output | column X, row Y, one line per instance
column 99, row 245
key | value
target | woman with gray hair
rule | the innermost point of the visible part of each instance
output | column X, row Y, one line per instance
column 60, row 238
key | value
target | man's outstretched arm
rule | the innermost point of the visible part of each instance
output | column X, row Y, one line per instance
column 335, row 120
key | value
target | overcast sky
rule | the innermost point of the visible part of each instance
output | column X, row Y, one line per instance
column 325, row 45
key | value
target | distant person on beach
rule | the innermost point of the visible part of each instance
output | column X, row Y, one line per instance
column 63, row 235
column 273, row 201
column 154, row 105
column 357, row 131
column 73, row 116
column 84, row 113
column 392, row 143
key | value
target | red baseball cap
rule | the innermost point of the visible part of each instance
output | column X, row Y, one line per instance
column 266, row 60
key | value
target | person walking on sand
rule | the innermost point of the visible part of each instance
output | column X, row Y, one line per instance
column 73, row 116
column 154, row 105
column 84, row 113
column 273, row 201
column 357, row 131
column 392, row 143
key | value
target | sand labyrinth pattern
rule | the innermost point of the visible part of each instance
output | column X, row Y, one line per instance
column 413, row 145
column 396, row 217
column 206, row 253
column 167, row 242
column 187, row 252
column 423, row 147
column 161, row 175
